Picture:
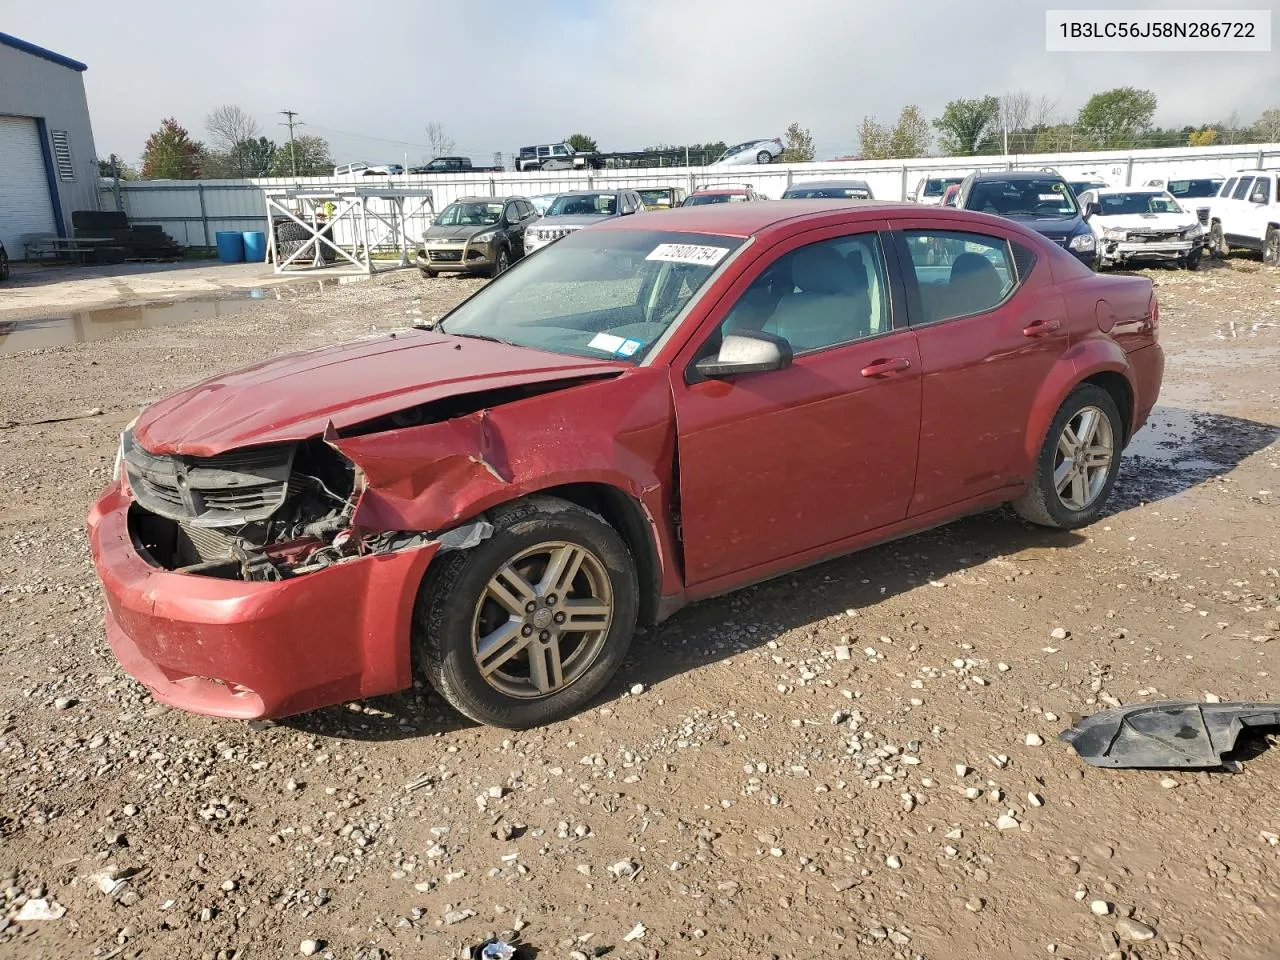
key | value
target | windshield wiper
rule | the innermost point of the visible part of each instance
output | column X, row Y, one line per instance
column 478, row 336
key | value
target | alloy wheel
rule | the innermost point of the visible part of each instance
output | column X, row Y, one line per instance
column 542, row 620
column 1083, row 459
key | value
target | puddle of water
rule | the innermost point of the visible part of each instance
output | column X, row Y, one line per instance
column 85, row 325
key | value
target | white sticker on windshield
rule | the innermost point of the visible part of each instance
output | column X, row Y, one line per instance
column 606, row 342
column 1050, row 196
column 688, row 253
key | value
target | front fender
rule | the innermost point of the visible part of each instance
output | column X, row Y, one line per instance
column 1081, row 361
column 618, row 433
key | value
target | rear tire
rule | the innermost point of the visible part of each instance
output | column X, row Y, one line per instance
column 4, row 266
column 1078, row 462
column 764, row 156
column 1271, row 247
column 493, row 624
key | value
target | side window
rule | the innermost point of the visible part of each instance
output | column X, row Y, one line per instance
column 817, row 296
column 1227, row 188
column 559, row 150
column 1261, row 187
column 959, row 274
column 511, row 212
column 544, row 151
column 526, row 209
column 1242, row 188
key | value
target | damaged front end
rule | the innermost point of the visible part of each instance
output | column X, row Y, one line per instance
column 256, row 514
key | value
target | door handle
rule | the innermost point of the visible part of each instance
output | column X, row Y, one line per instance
column 885, row 368
column 1040, row 328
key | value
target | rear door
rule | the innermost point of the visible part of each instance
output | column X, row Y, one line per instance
column 778, row 464
column 1233, row 219
column 991, row 325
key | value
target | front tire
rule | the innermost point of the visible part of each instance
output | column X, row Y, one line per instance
column 494, row 625
column 503, row 263
column 428, row 273
column 1078, row 462
column 1192, row 260
column 1271, row 247
column 1218, row 248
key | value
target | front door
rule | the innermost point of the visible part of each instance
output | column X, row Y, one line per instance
column 775, row 464
column 990, row 327
column 1258, row 210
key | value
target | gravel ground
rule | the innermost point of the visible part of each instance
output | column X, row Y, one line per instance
column 857, row 760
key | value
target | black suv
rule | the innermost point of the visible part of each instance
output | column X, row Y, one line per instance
column 1037, row 199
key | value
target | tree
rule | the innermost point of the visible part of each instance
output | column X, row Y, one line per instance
column 797, row 145
column 114, row 167
column 252, row 157
column 171, row 154
column 874, row 139
column 1268, row 126
column 228, row 126
column 1202, row 138
column 910, row 136
column 440, row 144
column 311, row 155
column 582, row 143
column 1116, row 119
column 969, row 127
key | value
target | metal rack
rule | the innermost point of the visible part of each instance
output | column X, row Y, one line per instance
column 350, row 221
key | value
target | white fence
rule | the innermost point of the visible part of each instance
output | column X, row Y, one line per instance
column 194, row 211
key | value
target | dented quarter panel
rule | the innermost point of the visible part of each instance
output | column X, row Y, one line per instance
column 619, row 432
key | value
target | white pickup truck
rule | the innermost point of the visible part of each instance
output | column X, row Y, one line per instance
column 1246, row 213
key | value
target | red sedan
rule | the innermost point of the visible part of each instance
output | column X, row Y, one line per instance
column 646, row 414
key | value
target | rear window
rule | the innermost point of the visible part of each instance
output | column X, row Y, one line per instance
column 1194, row 188
column 699, row 199
column 936, row 186
column 827, row 193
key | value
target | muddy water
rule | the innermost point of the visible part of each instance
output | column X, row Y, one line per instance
column 86, row 325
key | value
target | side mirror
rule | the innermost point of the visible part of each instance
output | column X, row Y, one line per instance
column 1091, row 208
column 746, row 352
column 911, row 196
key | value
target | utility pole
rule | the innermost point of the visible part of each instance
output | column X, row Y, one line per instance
column 293, row 160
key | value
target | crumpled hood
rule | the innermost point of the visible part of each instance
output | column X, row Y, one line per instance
column 1146, row 221
column 1054, row 228
column 296, row 396
column 461, row 232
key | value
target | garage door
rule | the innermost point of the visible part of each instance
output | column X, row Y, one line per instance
column 24, row 188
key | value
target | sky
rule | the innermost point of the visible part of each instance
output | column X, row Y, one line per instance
column 501, row 74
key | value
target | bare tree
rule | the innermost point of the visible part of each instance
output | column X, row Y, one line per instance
column 1015, row 110
column 1044, row 112
column 440, row 144
column 1268, row 126
column 229, row 125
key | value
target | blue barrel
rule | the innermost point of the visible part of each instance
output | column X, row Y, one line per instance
column 255, row 246
column 230, row 246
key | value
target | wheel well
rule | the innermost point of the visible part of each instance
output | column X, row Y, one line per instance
column 1116, row 385
column 625, row 515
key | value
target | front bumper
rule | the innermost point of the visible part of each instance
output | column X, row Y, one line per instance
column 1121, row 251
column 457, row 257
column 232, row 648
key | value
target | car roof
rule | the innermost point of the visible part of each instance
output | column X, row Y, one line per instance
column 1112, row 191
column 587, row 193
column 484, row 199
column 808, row 184
column 1016, row 175
column 747, row 219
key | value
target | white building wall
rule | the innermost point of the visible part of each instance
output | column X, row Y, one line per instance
column 31, row 86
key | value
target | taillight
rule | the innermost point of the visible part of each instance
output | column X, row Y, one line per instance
column 1155, row 313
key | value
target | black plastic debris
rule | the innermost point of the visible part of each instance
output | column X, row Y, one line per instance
column 1175, row 735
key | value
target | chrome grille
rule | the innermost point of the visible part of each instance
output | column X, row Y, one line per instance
column 229, row 489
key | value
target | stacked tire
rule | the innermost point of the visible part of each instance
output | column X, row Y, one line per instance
column 291, row 236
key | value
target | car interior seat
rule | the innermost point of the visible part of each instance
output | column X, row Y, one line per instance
column 975, row 286
column 825, row 308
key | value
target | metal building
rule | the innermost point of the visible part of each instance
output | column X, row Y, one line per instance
column 48, row 166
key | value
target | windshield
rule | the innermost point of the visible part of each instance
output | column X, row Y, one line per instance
column 1118, row 203
column 603, row 294
column 1194, row 188
column 698, row 199
column 656, row 197
column 1048, row 198
column 477, row 214
column 827, row 193
column 584, row 204
column 936, row 186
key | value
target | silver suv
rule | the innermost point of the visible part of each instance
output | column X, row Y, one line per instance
column 577, row 209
